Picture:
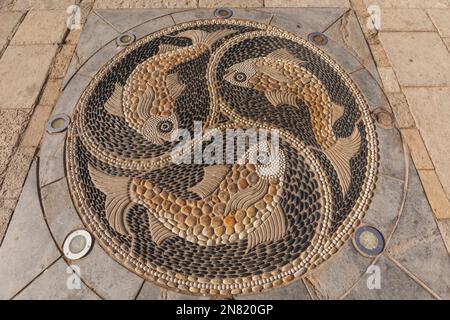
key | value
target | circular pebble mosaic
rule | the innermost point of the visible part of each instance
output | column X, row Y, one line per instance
column 231, row 228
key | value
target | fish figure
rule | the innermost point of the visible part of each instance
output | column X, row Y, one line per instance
column 147, row 99
column 240, row 201
column 282, row 78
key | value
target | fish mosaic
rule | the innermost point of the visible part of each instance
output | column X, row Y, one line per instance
column 222, row 229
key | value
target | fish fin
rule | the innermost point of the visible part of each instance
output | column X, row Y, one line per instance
column 208, row 38
column 158, row 231
column 145, row 103
column 340, row 155
column 272, row 229
column 174, row 85
column 337, row 112
column 118, row 200
column 213, row 176
column 283, row 54
column 165, row 47
column 278, row 98
column 248, row 197
column 273, row 73
column 114, row 103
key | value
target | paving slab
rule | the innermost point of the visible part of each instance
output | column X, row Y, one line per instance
column 51, row 30
column 150, row 292
column 417, row 149
column 447, row 42
column 116, row 4
column 172, row 295
column 152, row 26
column 6, row 5
column 42, row 4
column 303, row 21
column 435, row 194
column 441, row 19
column 392, row 155
column 386, row 205
column 395, row 285
column 230, row 3
column 35, row 129
column 61, row 216
column 12, row 123
column 444, row 227
column 400, row 109
column 389, row 79
column 126, row 19
column 409, row 3
column 418, row 58
column 307, row 3
column 17, row 171
column 251, row 14
column 108, row 278
column 8, row 23
column 417, row 243
column 32, row 64
column 62, row 61
column 6, row 209
column 348, row 32
column 96, row 33
column 371, row 89
column 51, row 155
column 95, row 62
column 71, row 93
column 294, row 291
column 52, row 285
column 28, row 248
column 430, row 108
column 336, row 277
column 405, row 20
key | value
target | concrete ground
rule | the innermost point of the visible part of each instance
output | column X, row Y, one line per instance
column 44, row 67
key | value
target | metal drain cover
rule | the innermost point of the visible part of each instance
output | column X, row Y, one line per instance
column 222, row 228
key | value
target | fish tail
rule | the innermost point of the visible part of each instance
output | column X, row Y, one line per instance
column 118, row 201
column 207, row 38
column 272, row 229
column 340, row 155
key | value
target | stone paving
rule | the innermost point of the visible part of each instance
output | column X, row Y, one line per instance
column 403, row 68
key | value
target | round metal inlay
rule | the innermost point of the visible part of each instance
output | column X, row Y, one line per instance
column 318, row 38
column 77, row 244
column 223, row 13
column 368, row 241
column 222, row 228
column 58, row 123
column 383, row 118
column 125, row 39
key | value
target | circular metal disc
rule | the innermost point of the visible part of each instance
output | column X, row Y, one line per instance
column 223, row 13
column 369, row 241
column 125, row 39
column 77, row 244
column 318, row 38
column 58, row 123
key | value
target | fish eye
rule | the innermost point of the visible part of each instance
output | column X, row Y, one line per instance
column 165, row 126
column 240, row 77
column 263, row 158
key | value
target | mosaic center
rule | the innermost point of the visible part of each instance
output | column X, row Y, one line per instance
column 231, row 228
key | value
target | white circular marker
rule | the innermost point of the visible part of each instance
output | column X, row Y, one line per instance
column 77, row 244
